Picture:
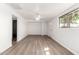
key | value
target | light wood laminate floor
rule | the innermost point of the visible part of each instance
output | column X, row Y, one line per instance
column 37, row 45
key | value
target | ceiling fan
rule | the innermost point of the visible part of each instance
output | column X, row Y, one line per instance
column 37, row 15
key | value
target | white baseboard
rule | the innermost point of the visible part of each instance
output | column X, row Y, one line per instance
column 5, row 49
column 71, row 50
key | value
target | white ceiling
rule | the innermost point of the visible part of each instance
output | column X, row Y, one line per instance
column 46, row 10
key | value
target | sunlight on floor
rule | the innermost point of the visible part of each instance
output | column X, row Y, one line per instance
column 47, row 51
column 46, row 48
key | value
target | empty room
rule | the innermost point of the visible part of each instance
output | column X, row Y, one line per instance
column 39, row 28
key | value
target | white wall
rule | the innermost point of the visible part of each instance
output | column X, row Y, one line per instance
column 37, row 28
column 21, row 28
column 44, row 28
column 34, row 28
column 68, row 37
column 6, row 27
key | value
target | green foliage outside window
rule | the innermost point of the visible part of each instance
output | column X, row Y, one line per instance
column 70, row 19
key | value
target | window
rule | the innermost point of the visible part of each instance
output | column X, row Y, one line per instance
column 70, row 19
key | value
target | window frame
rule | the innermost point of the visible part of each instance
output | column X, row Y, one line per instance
column 71, row 12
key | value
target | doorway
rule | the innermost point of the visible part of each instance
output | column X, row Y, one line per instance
column 14, row 30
